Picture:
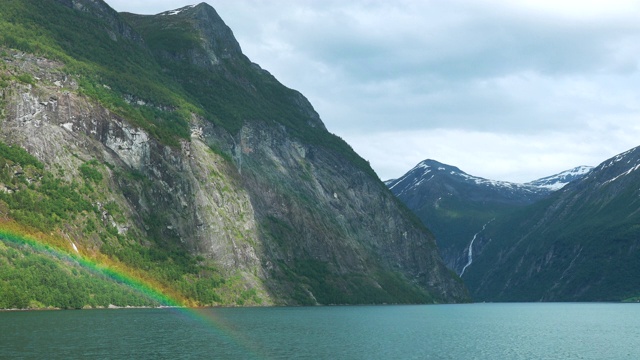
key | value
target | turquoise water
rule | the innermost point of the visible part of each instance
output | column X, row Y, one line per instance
column 473, row 331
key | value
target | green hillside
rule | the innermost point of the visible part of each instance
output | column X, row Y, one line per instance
column 581, row 244
column 154, row 145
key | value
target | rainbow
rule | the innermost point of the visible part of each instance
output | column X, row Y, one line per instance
column 148, row 288
column 119, row 275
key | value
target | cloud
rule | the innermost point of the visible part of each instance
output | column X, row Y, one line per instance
column 451, row 64
column 516, row 90
column 483, row 153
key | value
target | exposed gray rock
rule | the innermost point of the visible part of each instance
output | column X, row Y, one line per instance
column 257, row 192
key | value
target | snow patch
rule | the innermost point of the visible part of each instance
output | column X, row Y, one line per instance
column 394, row 185
column 496, row 183
column 177, row 11
column 423, row 179
column 558, row 181
column 555, row 186
column 621, row 175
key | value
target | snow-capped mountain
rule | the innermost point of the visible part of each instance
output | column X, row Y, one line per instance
column 455, row 205
column 574, row 236
column 617, row 169
column 430, row 174
column 558, row 181
column 427, row 170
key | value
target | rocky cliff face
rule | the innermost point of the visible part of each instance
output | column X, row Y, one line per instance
column 187, row 194
column 268, row 197
column 315, row 207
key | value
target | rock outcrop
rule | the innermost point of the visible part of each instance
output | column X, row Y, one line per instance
column 260, row 189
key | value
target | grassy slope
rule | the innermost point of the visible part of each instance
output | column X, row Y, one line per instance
column 39, row 277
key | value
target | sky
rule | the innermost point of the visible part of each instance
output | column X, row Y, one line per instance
column 505, row 90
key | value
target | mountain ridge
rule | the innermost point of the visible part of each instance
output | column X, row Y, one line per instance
column 578, row 245
column 457, row 206
column 551, row 182
column 559, row 180
column 196, row 168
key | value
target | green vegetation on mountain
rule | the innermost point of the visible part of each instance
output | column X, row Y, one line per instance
column 581, row 244
column 154, row 146
column 111, row 67
column 456, row 206
column 107, row 69
column 314, row 276
column 29, row 279
column 36, row 198
column 233, row 90
column 455, row 221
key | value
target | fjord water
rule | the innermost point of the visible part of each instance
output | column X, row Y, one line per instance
column 473, row 331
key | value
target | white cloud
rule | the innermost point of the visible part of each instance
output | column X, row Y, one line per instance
column 505, row 90
column 588, row 9
column 491, row 155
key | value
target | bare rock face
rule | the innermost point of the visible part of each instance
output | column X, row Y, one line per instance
column 260, row 188
column 342, row 216
column 63, row 129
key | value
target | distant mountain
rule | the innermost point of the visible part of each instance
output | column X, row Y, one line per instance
column 456, row 206
column 426, row 174
column 582, row 243
column 558, row 181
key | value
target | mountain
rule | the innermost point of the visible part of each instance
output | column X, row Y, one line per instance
column 153, row 144
column 428, row 173
column 580, row 244
column 558, row 181
column 456, row 206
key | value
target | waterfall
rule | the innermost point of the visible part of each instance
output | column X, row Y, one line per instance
column 470, row 253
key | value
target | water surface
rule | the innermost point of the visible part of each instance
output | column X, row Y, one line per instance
column 473, row 331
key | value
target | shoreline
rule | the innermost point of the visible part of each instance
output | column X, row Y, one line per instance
column 110, row 307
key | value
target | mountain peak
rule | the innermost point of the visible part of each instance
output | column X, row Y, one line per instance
column 618, row 167
column 179, row 10
column 573, row 247
column 193, row 33
column 428, row 172
column 430, row 163
column 199, row 170
column 192, row 9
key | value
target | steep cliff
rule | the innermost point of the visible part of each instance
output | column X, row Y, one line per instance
column 198, row 166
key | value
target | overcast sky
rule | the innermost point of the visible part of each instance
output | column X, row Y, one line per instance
column 506, row 90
